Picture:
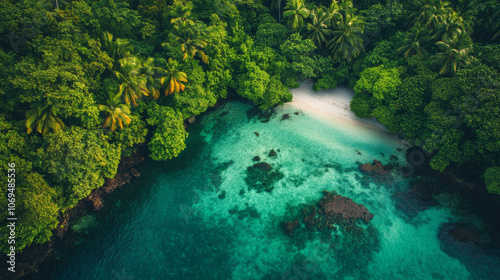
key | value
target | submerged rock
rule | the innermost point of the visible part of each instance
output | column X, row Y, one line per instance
column 332, row 205
column 273, row 154
column 285, row 117
column 256, row 133
column 222, row 195
column 262, row 177
column 256, row 158
column 376, row 168
column 290, row 227
column 419, row 197
column 331, row 210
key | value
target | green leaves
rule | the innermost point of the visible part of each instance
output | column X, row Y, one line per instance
column 43, row 120
column 169, row 135
column 295, row 13
column 78, row 160
column 378, row 81
column 492, row 179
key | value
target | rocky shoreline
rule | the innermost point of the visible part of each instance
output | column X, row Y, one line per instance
column 35, row 256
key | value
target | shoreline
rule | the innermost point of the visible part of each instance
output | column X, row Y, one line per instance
column 333, row 106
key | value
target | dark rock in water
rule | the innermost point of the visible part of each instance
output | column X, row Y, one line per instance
column 331, row 210
column 256, row 158
column 358, row 152
column 418, row 198
column 332, row 205
column 256, row 133
column 289, row 227
column 216, row 174
column 265, row 116
column 134, row 172
column 285, row 117
column 462, row 233
column 262, row 166
column 222, row 195
column 311, row 220
column 223, row 114
column 273, row 153
column 336, row 166
column 394, row 158
column 233, row 210
column 297, row 113
column 382, row 154
column 242, row 192
column 466, row 243
column 262, row 177
column 247, row 212
column 399, row 149
column 376, row 168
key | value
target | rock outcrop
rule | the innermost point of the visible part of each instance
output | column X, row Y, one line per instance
column 377, row 168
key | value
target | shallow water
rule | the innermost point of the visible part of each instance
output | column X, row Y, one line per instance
column 195, row 218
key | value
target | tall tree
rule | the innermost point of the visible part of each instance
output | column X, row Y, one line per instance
column 414, row 40
column 118, row 113
column 184, row 34
column 317, row 28
column 43, row 120
column 132, row 85
column 295, row 12
column 174, row 79
column 151, row 74
column 116, row 49
column 454, row 52
column 277, row 5
column 346, row 41
column 430, row 12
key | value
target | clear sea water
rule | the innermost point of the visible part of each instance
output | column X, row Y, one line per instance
column 173, row 222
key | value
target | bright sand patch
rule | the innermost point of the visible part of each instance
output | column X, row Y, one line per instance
column 332, row 104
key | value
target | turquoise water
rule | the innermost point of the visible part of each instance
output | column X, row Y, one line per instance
column 195, row 218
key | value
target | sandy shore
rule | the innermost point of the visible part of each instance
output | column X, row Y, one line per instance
column 331, row 105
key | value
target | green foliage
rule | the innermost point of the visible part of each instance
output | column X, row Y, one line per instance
column 362, row 105
column 78, row 160
column 492, row 179
column 386, row 117
column 378, row 81
column 169, row 135
column 131, row 136
column 298, row 52
column 295, row 13
column 271, row 34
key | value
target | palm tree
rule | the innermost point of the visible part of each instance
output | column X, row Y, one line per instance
column 415, row 38
column 430, row 12
column 489, row 20
column 152, row 75
column 132, row 84
column 42, row 119
column 454, row 51
column 318, row 29
column 277, row 4
column 296, row 13
column 346, row 41
column 451, row 23
column 335, row 12
column 118, row 113
column 175, row 79
column 117, row 49
column 184, row 35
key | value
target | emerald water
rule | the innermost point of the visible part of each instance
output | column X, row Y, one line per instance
column 195, row 218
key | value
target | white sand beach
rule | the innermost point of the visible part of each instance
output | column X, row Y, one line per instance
column 331, row 105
